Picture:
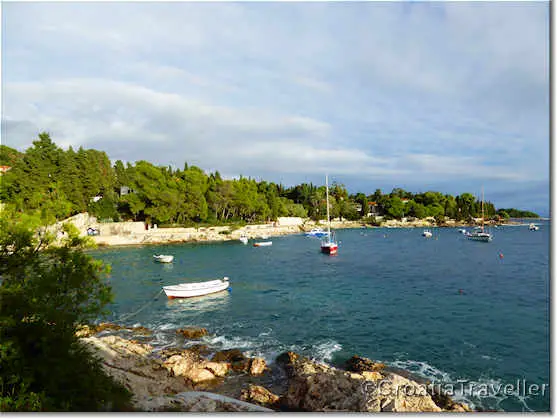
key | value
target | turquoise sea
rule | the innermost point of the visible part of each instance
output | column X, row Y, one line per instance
column 471, row 317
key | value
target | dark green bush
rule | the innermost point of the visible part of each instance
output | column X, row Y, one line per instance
column 45, row 293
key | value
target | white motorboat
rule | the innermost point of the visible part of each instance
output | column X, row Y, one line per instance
column 195, row 289
column 316, row 232
column 163, row 258
column 427, row 233
column 533, row 227
column 244, row 239
column 329, row 245
column 261, row 244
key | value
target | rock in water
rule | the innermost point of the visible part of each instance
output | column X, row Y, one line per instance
column 319, row 387
column 360, row 364
column 192, row 332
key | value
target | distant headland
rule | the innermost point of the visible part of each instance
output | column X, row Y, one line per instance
column 55, row 184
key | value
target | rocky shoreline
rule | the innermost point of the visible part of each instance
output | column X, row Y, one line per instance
column 137, row 233
column 202, row 380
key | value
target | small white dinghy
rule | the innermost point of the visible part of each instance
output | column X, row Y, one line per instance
column 244, row 239
column 195, row 289
column 163, row 258
column 427, row 233
column 260, row 244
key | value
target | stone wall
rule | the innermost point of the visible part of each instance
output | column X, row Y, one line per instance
column 290, row 221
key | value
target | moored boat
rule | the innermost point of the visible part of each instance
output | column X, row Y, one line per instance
column 195, row 289
column 261, row 244
column 244, row 239
column 478, row 233
column 533, row 227
column 427, row 233
column 316, row 232
column 329, row 245
column 163, row 258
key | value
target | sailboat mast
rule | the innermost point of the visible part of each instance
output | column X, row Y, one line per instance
column 482, row 209
column 328, row 218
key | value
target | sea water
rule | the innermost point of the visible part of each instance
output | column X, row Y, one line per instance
column 471, row 317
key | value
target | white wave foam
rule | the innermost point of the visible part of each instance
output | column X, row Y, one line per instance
column 324, row 351
column 484, row 393
column 235, row 342
column 422, row 369
column 165, row 326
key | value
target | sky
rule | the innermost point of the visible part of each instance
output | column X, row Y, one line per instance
column 445, row 96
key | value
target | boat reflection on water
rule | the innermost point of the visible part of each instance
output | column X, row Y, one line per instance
column 208, row 302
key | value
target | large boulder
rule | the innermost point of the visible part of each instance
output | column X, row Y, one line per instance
column 238, row 361
column 219, row 369
column 261, row 396
column 319, row 387
column 196, row 370
column 128, row 363
column 229, row 355
column 192, row 332
column 199, row 375
column 257, row 366
column 314, row 387
column 398, row 394
column 202, row 350
column 287, row 360
column 180, row 364
column 91, row 330
column 359, row 364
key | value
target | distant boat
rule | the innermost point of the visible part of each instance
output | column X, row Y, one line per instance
column 243, row 238
column 427, row 233
column 316, row 232
column 478, row 233
column 195, row 289
column 261, row 244
column 328, row 245
column 462, row 230
column 533, row 227
column 163, row 258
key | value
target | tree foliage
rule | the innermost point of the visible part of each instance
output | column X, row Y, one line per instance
column 63, row 183
column 514, row 213
column 45, row 293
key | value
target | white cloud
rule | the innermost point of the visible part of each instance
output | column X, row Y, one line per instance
column 418, row 90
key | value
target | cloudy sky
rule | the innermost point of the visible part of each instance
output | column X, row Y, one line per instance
column 424, row 96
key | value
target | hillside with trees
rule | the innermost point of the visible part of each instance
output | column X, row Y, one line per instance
column 60, row 183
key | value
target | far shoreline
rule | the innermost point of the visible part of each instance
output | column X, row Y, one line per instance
column 254, row 232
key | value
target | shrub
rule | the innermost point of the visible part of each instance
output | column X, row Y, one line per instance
column 45, row 293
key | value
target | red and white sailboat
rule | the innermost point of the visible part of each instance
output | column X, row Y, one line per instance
column 328, row 244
